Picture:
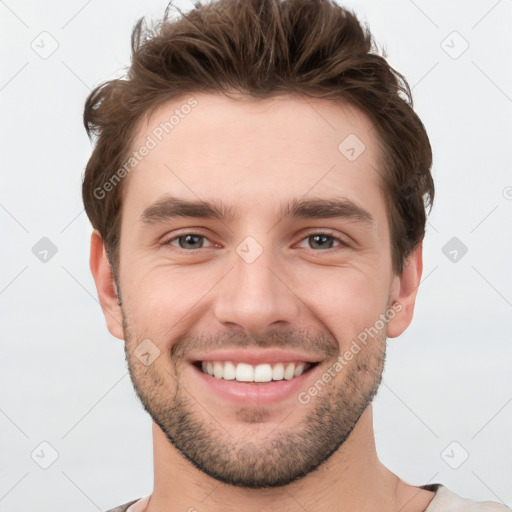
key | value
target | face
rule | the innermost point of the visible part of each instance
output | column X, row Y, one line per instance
column 272, row 276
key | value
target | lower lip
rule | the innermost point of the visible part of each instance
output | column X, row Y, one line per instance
column 255, row 393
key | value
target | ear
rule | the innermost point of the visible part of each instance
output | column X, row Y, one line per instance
column 404, row 289
column 105, row 285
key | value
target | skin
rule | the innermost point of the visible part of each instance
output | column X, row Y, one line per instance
column 210, row 455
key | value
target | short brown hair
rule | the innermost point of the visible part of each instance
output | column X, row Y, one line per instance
column 262, row 48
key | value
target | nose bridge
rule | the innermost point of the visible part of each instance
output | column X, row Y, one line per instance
column 254, row 294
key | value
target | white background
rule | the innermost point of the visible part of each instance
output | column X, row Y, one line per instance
column 63, row 377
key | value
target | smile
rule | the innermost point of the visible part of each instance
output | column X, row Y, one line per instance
column 246, row 372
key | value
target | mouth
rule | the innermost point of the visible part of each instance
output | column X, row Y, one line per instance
column 254, row 373
column 244, row 382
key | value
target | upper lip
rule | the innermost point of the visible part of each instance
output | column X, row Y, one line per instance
column 256, row 356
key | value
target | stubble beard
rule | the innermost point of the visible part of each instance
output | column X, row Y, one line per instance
column 282, row 456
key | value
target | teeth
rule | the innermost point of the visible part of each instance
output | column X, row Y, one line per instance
column 263, row 373
column 289, row 371
column 244, row 372
column 278, row 371
column 229, row 372
column 218, row 370
column 299, row 369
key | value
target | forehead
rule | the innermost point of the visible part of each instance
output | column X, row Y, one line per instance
column 254, row 151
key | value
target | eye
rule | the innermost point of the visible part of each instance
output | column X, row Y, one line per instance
column 194, row 241
column 187, row 241
column 323, row 240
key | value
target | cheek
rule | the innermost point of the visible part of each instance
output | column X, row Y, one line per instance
column 160, row 299
column 347, row 301
column 160, row 302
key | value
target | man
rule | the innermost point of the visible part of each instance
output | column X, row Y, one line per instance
column 258, row 191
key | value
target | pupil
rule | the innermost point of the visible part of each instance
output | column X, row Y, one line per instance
column 189, row 239
column 316, row 237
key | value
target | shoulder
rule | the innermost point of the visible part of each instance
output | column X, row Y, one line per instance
column 122, row 508
column 446, row 500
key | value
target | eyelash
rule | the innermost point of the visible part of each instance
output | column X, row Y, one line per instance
column 329, row 234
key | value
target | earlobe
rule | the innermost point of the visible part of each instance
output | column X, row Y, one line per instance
column 403, row 296
column 105, row 285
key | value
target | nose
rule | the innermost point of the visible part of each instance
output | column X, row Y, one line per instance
column 257, row 295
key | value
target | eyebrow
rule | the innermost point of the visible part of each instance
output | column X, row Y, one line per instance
column 171, row 207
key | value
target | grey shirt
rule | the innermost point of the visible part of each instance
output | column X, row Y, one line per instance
column 443, row 501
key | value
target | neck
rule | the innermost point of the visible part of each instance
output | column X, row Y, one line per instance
column 352, row 479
